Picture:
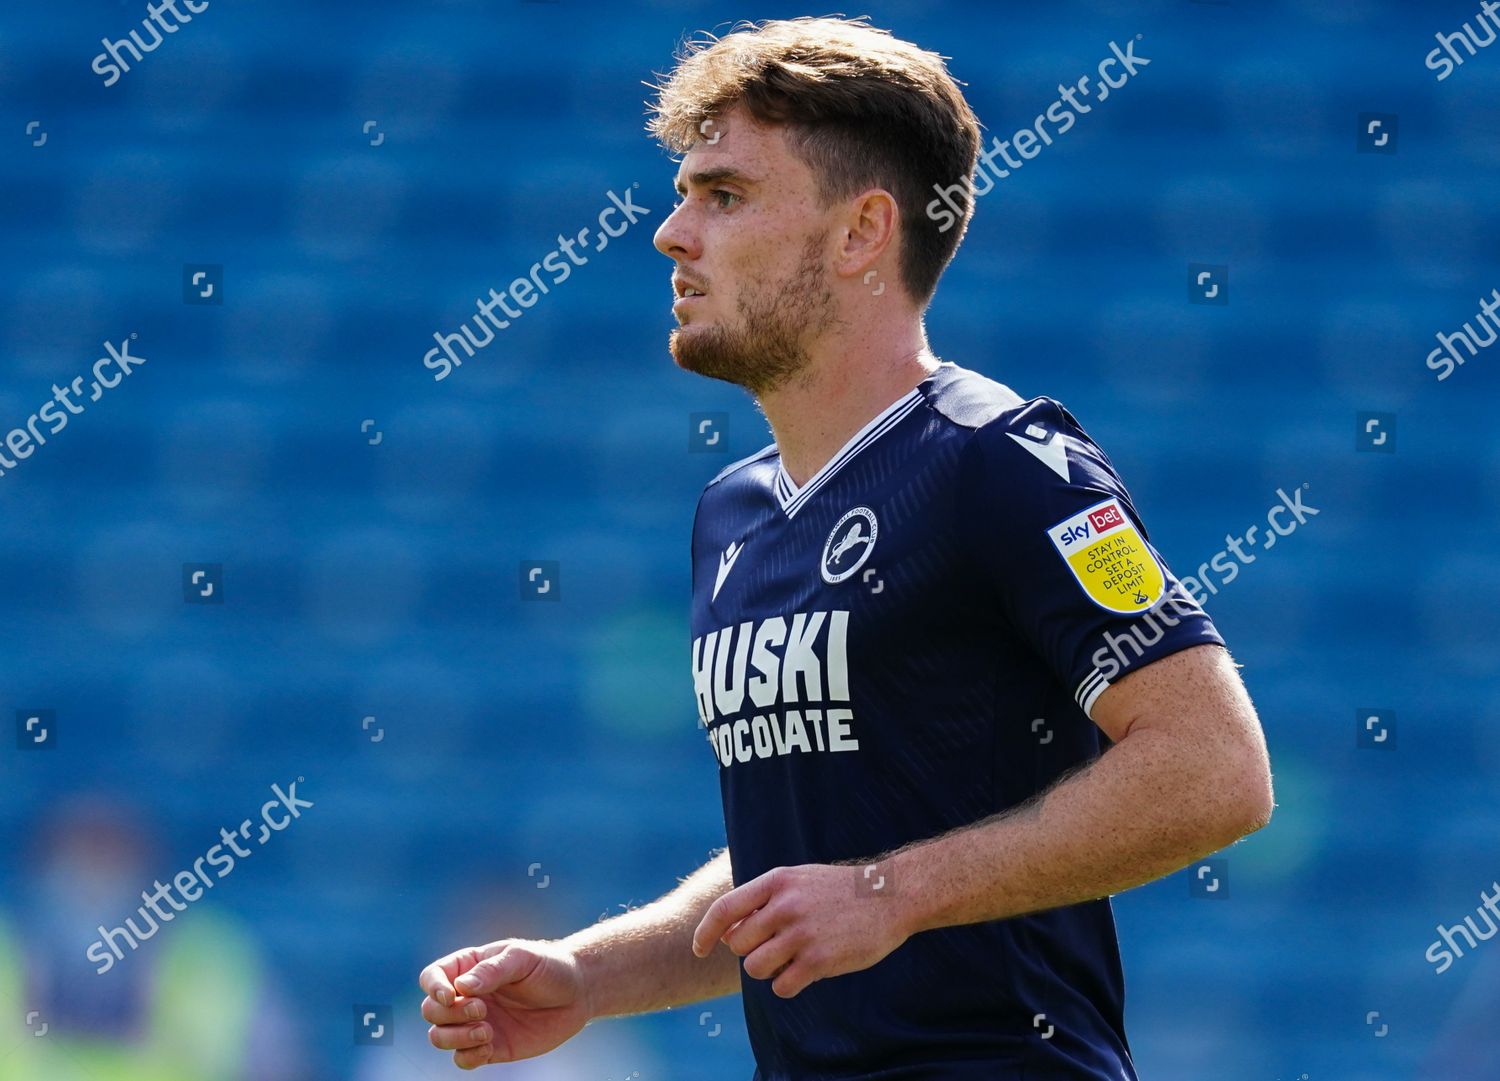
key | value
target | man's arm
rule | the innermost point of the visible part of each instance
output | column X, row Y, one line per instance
column 642, row 960
column 517, row 998
column 1188, row 774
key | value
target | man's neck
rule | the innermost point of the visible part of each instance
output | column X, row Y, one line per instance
column 816, row 412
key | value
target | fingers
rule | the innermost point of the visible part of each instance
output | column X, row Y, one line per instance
column 460, row 1037
column 770, row 958
column 474, row 1057
column 509, row 965
column 437, row 978
column 744, row 937
column 730, row 908
column 793, row 979
column 464, row 1010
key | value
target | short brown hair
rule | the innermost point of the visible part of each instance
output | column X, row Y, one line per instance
column 860, row 106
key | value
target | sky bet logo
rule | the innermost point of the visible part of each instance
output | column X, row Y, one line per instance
column 1073, row 534
column 1109, row 516
column 1109, row 558
column 1100, row 520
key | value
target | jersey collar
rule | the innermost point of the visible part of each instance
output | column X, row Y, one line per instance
column 792, row 498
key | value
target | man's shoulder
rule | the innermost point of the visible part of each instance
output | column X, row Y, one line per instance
column 743, row 469
column 968, row 399
column 1029, row 456
column 999, row 420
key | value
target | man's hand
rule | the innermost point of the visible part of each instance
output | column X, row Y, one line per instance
column 513, row 999
column 795, row 925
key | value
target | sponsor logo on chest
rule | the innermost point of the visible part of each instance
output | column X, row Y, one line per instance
column 776, row 686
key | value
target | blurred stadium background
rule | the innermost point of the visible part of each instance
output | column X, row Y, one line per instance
column 534, row 762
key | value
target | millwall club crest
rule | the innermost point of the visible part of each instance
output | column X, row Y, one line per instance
column 849, row 545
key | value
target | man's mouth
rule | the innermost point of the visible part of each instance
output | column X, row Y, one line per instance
column 686, row 289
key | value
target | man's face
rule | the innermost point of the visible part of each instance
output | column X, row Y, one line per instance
column 751, row 235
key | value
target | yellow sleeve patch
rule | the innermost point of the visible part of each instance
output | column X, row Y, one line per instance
column 1110, row 558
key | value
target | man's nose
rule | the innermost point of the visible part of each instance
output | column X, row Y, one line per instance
column 675, row 238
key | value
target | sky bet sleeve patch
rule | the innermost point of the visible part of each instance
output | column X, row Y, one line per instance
column 1109, row 558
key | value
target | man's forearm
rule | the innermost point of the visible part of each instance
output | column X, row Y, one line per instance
column 643, row 960
column 1140, row 811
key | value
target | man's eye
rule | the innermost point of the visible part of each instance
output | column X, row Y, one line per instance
column 721, row 195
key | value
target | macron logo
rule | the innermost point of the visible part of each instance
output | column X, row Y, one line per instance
column 726, row 561
column 1047, row 447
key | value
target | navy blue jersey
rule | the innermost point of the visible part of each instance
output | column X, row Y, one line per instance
column 910, row 642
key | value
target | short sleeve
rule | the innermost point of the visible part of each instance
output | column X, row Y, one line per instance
column 1057, row 541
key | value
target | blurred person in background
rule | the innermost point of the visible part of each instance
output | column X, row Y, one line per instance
column 191, row 1002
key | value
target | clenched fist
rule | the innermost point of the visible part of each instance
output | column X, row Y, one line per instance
column 510, row 1000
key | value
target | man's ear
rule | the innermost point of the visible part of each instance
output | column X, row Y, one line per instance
column 869, row 229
